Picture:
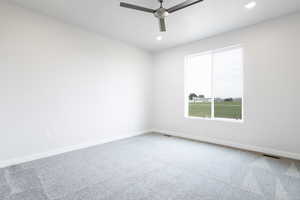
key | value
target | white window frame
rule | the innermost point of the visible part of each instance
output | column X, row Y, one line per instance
column 186, row 94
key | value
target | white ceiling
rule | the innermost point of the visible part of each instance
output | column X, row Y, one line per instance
column 140, row 29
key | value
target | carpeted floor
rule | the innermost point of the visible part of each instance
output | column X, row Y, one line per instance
column 152, row 167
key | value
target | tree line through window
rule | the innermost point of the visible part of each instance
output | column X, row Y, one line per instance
column 214, row 84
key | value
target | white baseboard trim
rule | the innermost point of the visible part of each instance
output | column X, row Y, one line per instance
column 258, row 149
column 16, row 161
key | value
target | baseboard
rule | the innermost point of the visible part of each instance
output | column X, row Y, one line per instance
column 16, row 161
column 257, row 149
column 263, row 150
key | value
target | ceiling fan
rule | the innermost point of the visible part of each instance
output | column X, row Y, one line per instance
column 161, row 13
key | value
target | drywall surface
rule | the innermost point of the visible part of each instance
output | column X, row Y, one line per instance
column 271, row 89
column 61, row 86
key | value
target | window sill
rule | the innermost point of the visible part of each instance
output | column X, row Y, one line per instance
column 241, row 121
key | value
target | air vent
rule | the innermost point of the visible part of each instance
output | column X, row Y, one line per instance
column 270, row 156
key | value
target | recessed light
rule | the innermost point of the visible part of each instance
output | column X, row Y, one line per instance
column 159, row 38
column 250, row 5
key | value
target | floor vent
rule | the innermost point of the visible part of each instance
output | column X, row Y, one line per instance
column 270, row 156
column 166, row 135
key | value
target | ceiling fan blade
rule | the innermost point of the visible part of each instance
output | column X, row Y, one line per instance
column 135, row 7
column 162, row 25
column 183, row 5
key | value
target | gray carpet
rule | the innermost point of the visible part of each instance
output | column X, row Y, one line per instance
column 152, row 167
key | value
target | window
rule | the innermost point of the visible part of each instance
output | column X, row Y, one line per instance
column 214, row 84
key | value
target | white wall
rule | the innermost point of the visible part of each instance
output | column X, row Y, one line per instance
column 61, row 86
column 271, row 90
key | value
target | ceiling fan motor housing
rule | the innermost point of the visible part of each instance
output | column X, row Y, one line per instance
column 161, row 13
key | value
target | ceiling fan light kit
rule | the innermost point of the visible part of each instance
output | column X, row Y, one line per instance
column 161, row 13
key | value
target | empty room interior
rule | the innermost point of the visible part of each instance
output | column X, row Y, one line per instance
column 149, row 100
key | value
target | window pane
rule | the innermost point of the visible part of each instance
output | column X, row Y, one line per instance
column 198, row 77
column 227, row 85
